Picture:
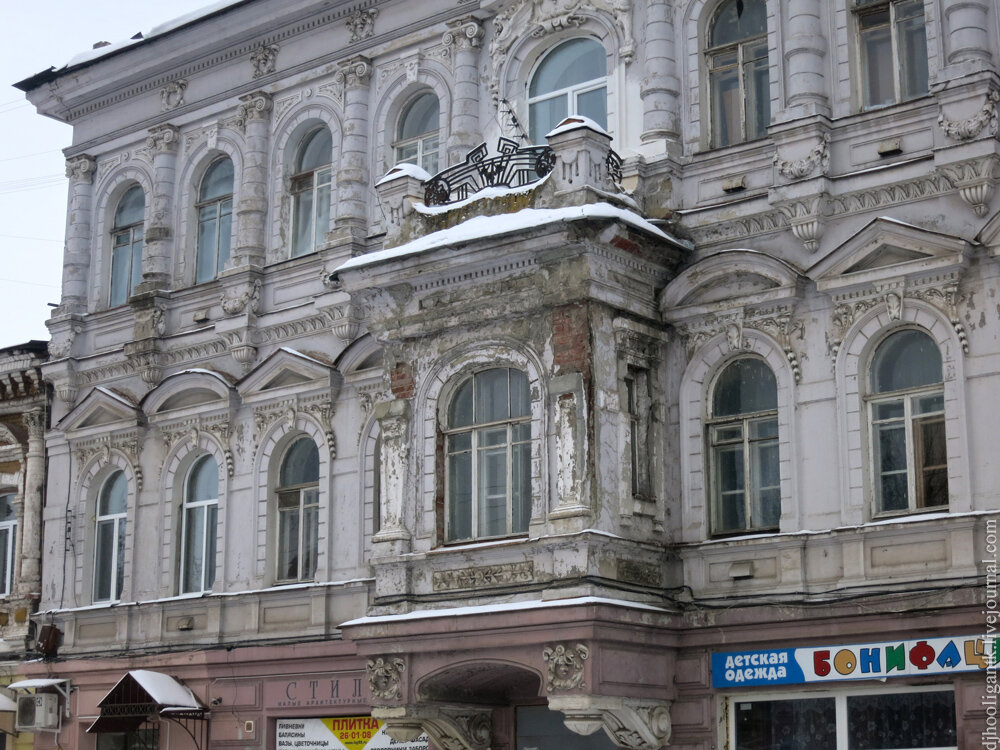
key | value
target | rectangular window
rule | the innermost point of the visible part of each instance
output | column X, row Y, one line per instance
column 904, row 718
column 892, row 51
column 637, row 408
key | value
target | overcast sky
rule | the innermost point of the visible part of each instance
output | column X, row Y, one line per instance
column 32, row 168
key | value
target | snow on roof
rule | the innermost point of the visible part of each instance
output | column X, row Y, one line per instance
column 482, row 609
column 405, row 169
column 164, row 689
column 158, row 30
column 480, row 227
column 575, row 122
column 39, row 682
column 484, row 194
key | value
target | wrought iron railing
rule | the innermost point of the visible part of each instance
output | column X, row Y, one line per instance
column 511, row 167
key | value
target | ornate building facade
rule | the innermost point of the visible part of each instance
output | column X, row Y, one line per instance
column 666, row 420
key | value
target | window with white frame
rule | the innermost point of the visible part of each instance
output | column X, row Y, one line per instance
column 738, row 76
column 892, row 51
column 861, row 720
column 215, row 219
column 311, row 185
column 488, row 455
column 8, row 542
column 638, row 406
column 417, row 139
column 109, row 538
column 743, row 442
column 126, row 245
column 298, row 512
column 570, row 80
column 906, row 409
column 199, row 523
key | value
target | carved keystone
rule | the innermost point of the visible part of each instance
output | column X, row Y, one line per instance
column 631, row 724
column 448, row 727
column 385, row 675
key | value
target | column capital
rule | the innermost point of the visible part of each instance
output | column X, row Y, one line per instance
column 254, row 106
column 355, row 73
column 163, row 139
column 81, row 168
column 464, row 33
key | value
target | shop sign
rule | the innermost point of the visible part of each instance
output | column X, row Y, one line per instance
column 304, row 691
column 866, row 661
column 340, row 733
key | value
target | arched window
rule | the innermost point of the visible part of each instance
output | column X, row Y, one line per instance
column 298, row 512
column 488, row 473
column 8, row 542
column 126, row 246
column 200, row 518
column 743, row 438
column 109, row 540
column 570, row 80
column 215, row 219
column 311, row 192
column 906, row 407
column 738, row 72
column 417, row 133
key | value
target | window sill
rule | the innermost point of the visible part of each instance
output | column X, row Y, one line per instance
column 479, row 543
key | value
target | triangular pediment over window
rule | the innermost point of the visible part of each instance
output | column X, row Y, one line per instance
column 886, row 248
column 101, row 410
column 286, row 372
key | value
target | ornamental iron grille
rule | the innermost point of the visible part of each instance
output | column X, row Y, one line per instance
column 511, row 167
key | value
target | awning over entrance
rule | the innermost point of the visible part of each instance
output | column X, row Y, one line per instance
column 141, row 695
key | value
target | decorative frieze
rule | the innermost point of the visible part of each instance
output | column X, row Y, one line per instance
column 565, row 666
column 970, row 128
column 483, row 576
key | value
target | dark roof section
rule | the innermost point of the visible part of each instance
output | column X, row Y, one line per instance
column 33, row 347
column 40, row 79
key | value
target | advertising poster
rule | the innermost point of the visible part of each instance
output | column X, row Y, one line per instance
column 340, row 733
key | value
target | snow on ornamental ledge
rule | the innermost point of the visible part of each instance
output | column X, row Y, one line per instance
column 480, row 227
column 575, row 122
column 404, row 169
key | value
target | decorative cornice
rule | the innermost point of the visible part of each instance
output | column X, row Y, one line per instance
column 968, row 129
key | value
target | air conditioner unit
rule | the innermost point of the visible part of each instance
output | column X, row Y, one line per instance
column 38, row 711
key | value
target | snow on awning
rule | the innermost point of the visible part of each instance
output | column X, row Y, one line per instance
column 142, row 694
column 41, row 682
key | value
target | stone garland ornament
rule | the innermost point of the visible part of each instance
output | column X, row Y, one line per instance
column 565, row 666
column 263, row 59
column 249, row 299
column 796, row 170
column 385, row 675
column 985, row 118
column 362, row 24
column 172, row 95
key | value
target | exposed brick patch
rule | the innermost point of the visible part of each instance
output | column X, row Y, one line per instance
column 624, row 243
column 571, row 346
column 402, row 380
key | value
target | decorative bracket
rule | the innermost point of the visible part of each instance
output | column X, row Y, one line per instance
column 631, row 724
column 448, row 727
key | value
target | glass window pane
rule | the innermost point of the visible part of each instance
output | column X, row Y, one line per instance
column 738, row 19
column 492, row 510
column 730, row 463
column 726, row 107
column 316, row 150
column 758, row 95
column 491, row 395
column 310, row 539
column 114, row 495
column 322, row 214
column 203, row 482
column 572, row 62
column 207, row 263
column 121, row 275
column 119, row 559
column 131, row 208
column 194, row 549
column 421, row 116
column 520, row 400
column 460, row 496
column 901, row 720
column 288, row 544
column 728, row 433
column 761, row 429
column 460, row 411
column 301, row 464
column 906, row 359
column 6, row 544
column 929, row 404
column 809, row 723
column 891, row 447
column 460, row 442
column 136, row 263
column 594, row 104
column 7, row 512
column 912, row 41
column 302, row 238
column 876, row 60
column 218, row 180
column 890, row 410
column 893, row 492
column 544, row 115
column 407, row 153
column 103, row 560
column 211, row 531
column 746, row 386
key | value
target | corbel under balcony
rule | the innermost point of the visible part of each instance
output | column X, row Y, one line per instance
column 631, row 723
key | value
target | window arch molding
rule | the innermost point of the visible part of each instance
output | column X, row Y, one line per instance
column 291, row 130
column 514, row 74
column 274, row 444
column 111, row 191
column 190, row 180
column 176, row 468
column 697, row 21
column 398, row 92
column 852, row 366
column 92, row 478
column 431, row 407
column 696, row 391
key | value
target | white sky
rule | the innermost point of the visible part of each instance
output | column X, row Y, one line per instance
column 32, row 168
